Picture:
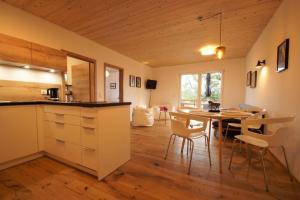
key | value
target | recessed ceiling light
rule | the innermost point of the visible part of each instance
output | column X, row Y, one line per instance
column 146, row 62
column 52, row 70
column 208, row 50
column 27, row 67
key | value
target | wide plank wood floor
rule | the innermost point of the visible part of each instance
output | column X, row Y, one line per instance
column 148, row 176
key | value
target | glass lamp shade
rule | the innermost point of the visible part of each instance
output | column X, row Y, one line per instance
column 220, row 51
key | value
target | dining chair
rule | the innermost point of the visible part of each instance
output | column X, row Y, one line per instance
column 273, row 139
column 180, row 128
column 237, row 126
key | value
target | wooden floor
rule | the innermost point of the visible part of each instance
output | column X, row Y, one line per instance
column 148, row 176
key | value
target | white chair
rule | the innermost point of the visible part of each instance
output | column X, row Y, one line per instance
column 264, row 141
column 142, row 116
column 180, row 127
column 257, row 115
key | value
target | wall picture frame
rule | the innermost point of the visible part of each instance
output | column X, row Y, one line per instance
column 283, row 56
column 113, row 85
column 248, row 81
column 253, row 79
column 131, row 81
column 138, row 83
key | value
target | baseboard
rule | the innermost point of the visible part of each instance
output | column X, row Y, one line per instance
column 22, row 160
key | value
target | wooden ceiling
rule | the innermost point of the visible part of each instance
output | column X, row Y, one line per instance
column 161, row 32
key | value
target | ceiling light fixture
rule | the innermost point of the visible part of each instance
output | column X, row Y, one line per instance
column 27, row 67
column 52, row 70
column 219, row 50
column 208, row 50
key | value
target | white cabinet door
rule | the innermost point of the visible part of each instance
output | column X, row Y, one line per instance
column 18, row 132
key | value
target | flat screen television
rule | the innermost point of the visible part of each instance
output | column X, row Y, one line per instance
column 151, row 84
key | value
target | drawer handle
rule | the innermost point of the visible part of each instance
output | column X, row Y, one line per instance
column 87, row 117
column 91, row 128
column 88, row 149
column 58, row 140
column 62, row 123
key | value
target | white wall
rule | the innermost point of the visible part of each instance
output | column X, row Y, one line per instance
column 20, row 24
column 26, row 75
column 168, row 81
column 279, row 93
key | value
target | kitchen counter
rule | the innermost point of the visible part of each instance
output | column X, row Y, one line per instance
column 80, row 104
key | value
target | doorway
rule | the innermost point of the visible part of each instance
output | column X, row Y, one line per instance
column 80, row 78
column 113, row 83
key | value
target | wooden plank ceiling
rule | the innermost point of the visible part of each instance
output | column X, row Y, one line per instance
column 161, row 32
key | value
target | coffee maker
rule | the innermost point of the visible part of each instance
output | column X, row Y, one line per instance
column 53, row 94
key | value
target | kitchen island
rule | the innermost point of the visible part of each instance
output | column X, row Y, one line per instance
column 91, row 136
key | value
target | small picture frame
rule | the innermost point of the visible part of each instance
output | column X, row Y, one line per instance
column 253, row 79
column 138, row 82
column 283, row 56
column 131, row 81
column 248, row 82
column 113, row 85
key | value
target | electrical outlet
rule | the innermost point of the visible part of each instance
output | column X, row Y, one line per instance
column 43, row 92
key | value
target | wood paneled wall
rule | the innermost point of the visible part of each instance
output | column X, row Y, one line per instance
column 23, row 91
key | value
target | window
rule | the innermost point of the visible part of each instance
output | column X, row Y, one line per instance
column 191, row 95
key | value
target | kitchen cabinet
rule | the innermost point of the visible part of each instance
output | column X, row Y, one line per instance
column 48, row 57
column 14, row 50
column 18, row 132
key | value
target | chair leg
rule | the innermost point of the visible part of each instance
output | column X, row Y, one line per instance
column 263, row 165
column 232, row 153
column 165, row 117
column 249, row 159
column 208, row 149
column 286, row 162
column 182, row 145
column 191, row 156
column 169, row 146
column 174, row 139
column 226, row 134
column 159, row 116
column 187, row 147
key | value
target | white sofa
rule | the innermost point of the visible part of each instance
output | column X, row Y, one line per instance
column 142, row 116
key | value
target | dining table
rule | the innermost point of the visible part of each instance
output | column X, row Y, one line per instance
column 219, row 116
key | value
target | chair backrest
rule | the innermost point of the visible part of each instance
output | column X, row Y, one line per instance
column 180, row 123
column 276, row 137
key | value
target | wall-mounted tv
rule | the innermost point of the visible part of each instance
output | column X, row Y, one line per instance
column 151, row 84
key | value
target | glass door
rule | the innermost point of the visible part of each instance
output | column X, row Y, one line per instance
column 211, row 88
column 197, row 89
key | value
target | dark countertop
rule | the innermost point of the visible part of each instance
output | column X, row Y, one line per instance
column 81, row 104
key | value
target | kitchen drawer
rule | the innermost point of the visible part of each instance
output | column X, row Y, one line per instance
column 73, row 153
column 67, row 119
column 56, row 147
column 66, row 132
column 89, row 137
column 67, row 110
column 90, row 121
column 89, row 158
column 88, row 112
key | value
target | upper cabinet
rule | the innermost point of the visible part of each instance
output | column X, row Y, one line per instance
column 47, row 57
column 14, row 49
column 21, row 51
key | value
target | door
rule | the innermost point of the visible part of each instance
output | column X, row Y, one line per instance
column 81, row 82
column 113, row 83
column 196, row 89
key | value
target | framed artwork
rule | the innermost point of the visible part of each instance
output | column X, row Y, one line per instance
column 283, row 55
column 113, row 85
column 253, row 79
column 248, row 83
column 131, row 81
column 138, row 82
